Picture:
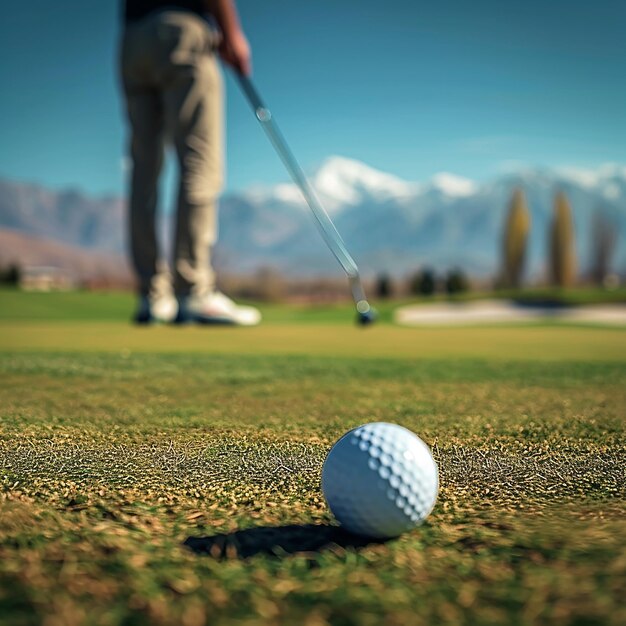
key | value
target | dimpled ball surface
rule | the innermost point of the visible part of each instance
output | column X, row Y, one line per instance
column 380, row 480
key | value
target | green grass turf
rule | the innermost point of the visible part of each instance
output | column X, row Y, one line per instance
column 118, row 444
column 116, row 306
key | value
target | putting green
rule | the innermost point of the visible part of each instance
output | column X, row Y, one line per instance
column 548, row 343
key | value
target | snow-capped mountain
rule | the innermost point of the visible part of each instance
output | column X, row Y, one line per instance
column 394, row 225
column 389, row 224
column 342, row 182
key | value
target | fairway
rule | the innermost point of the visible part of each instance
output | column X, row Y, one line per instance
column 121, row 448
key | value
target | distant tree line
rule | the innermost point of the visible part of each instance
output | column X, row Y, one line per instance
column 10, row 275
column 561, row 254
column 424, row 282
column 561, row 265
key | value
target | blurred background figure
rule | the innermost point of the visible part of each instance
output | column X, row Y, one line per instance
column 174, row 94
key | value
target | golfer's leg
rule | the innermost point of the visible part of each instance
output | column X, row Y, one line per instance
column 146, row 152
column 194, row 105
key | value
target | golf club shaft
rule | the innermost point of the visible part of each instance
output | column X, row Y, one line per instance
column 327, row 228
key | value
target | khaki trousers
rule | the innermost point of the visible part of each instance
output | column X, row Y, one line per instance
column 173, row 91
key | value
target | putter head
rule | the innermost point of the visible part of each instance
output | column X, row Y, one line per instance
column 367, row 317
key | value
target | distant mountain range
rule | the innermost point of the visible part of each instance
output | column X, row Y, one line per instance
column 388, row 224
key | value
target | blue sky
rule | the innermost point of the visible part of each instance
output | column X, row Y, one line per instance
column 409, row 87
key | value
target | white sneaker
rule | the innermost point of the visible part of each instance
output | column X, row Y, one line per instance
column 216, row 308
column 162, row 309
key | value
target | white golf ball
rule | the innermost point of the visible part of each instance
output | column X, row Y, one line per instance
column 380, row 480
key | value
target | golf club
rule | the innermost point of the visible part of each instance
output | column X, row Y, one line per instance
column 365, row 313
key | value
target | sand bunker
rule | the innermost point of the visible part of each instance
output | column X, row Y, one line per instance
column 506, row 312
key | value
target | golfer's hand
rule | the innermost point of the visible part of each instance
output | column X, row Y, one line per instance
column 235, row 51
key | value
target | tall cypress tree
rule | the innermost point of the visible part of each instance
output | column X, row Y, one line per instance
column 562, row 252
column 603, row 240
column 515, row 239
